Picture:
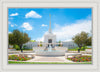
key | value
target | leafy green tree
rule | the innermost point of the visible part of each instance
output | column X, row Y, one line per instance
column 18, row 38
column 81, row 39
column 11, row 39
column 16, row 47
column 89, row 41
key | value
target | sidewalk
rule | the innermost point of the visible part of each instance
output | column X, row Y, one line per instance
column 49, row 59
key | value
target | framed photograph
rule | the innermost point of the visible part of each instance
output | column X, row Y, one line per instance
column 49, row 36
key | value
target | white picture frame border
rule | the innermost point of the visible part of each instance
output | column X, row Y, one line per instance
column 4, row 67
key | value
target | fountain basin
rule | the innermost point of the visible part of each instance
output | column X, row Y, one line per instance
column 50, row 53
column 57, row 51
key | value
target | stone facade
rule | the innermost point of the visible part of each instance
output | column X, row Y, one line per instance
column 49, row 38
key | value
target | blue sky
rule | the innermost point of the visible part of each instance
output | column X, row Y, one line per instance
column 65, row 22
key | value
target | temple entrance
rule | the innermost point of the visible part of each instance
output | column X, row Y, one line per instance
column 49, row 40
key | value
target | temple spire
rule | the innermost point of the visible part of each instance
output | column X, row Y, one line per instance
column 50, row 24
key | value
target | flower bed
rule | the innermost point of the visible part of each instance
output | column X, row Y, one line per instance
column 80, row 58
column 18, row 58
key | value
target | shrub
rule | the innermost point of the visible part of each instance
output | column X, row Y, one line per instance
column 27, row 49
column 40, row 45
column 16, row 47
column 60, row 45
column 24, row 46
column 83, row 48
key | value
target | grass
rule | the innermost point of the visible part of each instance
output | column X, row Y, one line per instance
column 26, row 50
column 16, row 62
column 74, row 49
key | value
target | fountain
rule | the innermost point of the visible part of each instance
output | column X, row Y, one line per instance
column 50, row 52
column 49, row 48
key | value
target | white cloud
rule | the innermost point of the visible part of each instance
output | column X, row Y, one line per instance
column 14, row 14
column 16, row 25
column 66, row 32
column 89, row 17
column 27, row 26
column 9, row 22
column 40, row 39
column 12, row 25
column 9, row 32
column 32, row 14
column 43, row 25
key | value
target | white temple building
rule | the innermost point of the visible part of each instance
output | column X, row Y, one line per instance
column 50, row 40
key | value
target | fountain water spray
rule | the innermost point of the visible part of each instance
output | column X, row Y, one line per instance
column 50, row 48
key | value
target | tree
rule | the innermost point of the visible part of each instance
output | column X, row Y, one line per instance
column 11, row 39
column 18, row 38
column 89, row 41
column 81, row 39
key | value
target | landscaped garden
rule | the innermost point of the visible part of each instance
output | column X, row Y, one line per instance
column 18, row 58
column 40, row 56
column 80, row 58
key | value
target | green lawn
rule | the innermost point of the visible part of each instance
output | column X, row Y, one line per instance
column 74, row 49
column 15, row 62
column 26, row 50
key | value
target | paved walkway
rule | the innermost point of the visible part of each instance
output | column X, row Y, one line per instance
column 49, row 59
